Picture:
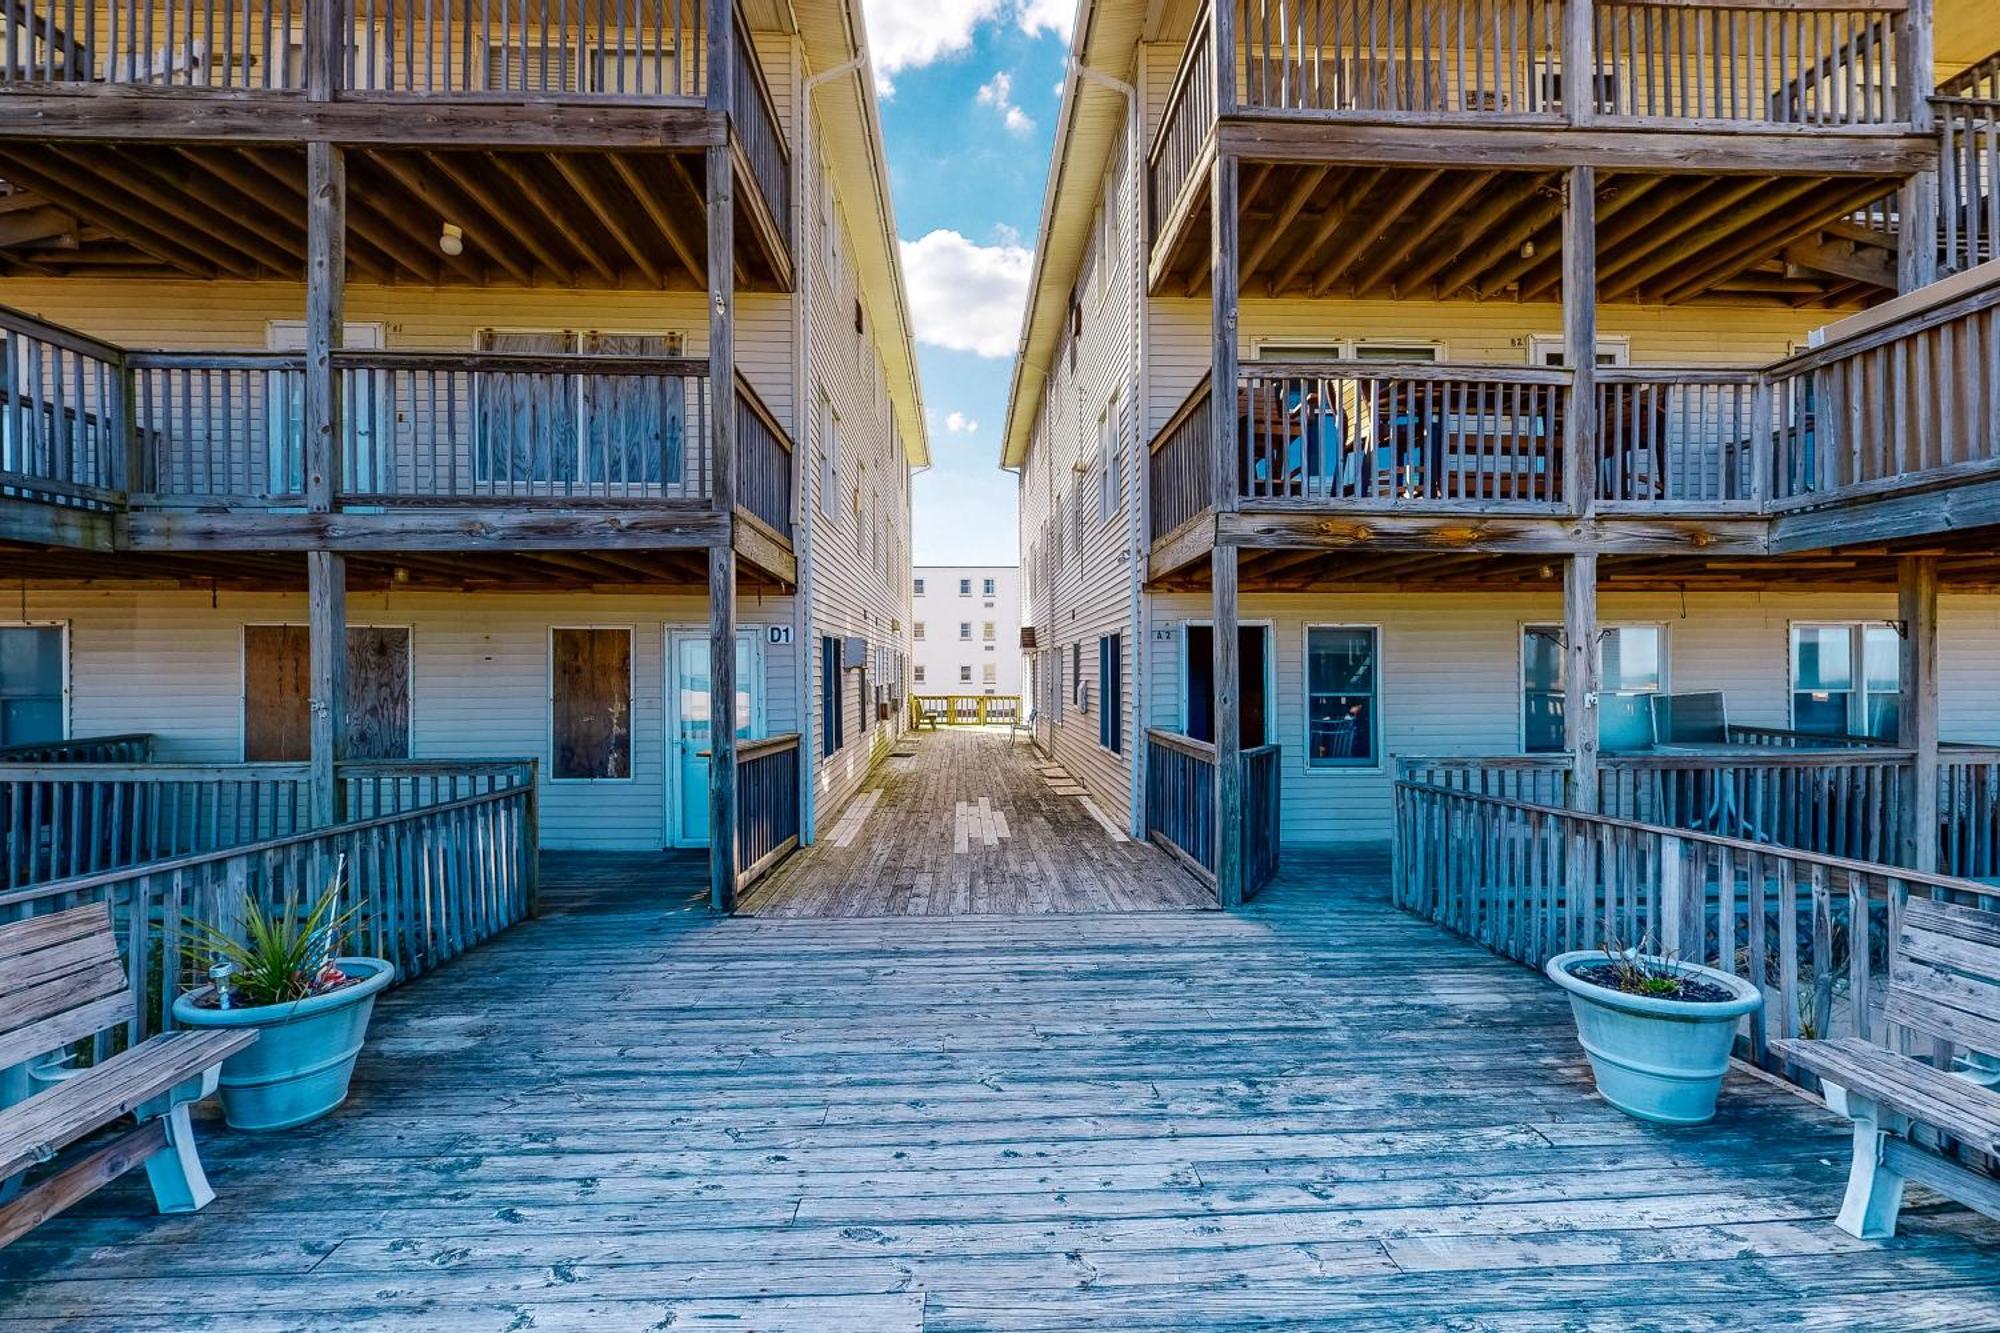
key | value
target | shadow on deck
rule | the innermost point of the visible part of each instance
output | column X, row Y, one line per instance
column 1318, row 1113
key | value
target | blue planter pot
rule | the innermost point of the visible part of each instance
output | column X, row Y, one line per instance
column 298, row 1068
column 1657, row 1059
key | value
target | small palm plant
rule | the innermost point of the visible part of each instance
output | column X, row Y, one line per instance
column 1640, row 970
column 285, row 954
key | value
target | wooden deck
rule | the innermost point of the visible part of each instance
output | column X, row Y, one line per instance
column 1320, row 1113
column 971, row 821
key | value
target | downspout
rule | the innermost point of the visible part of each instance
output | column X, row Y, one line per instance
column 805, row 651
column 1135, row 390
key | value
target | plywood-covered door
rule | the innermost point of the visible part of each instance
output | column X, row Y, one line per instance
column 277, row 693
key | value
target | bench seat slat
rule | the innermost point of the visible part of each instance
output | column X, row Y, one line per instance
column 21, row 971
column 59, row 995
column 18, row 938
column 85, row 1021
column 1905, row 1086
column 102, row 1093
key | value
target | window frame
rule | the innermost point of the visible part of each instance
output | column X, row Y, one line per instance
column 64, row 627
column 1521, row 670
column 549, row 693
column 1541, row 344
column 1111, row 692
column 1858, row 692
column 1349, row 349
column 1377, row 761
column 1271, row 709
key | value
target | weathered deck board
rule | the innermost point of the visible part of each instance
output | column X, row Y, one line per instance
column 1317, row 1114
column 969, row 823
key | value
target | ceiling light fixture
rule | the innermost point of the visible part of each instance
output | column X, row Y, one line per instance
column 452, row 239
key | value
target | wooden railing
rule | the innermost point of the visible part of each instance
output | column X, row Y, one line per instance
column 62, row 415
column 1796, row 65
column 1181, row 465
column 754, row 114
column 636, row 49
column 427, row 884
column 1530, row 881
column 133, row 747
column 1968, row 179
column 1186, row 123
column 1181, row 805
column 965, row 710
column 1670, row 437
column 1405, row 57
column 1896, row 404
column 767, row 804
column 764, row 467
column 64, row 818
column 423, row 426
column 1394, row 433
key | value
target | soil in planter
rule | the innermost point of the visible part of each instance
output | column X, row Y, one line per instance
column 1694, row 989
column 340, row 981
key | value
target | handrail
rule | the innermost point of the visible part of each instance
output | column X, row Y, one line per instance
column 1186, row 745
column 1190, row 55
column 1977, row 81
column 761, row 135
column 124, row 747
column 757, row 749
column 1196, row 396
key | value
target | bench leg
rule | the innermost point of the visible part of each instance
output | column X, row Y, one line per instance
column 179, row 1183
column 1874, row 1193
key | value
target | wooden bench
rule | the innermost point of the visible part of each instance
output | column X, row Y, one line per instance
column 1944, row 984
column 61, row 981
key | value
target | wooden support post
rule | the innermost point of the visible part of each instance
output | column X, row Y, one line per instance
column 1917, row 706
column 326, row 627
column 1228, row 676
column 1227, row 464
column 1579, row 293
column 326, row 299
column 1917, row 203
column 1579, row 62
column 1580, row 678
column 1223, row 17
column 722, row 867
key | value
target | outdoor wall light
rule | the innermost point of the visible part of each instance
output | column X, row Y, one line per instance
column 452, row 239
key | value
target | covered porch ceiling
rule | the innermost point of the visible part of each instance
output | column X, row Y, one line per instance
column 623, row 218
column 1322, row 230
column 453, row 571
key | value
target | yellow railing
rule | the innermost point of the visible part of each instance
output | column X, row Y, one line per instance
column 964, row 710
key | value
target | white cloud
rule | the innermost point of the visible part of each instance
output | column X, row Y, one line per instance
column 960, row 424
column 998, row 93
column 909, row 34
column 966, row 297
column 1056, row 16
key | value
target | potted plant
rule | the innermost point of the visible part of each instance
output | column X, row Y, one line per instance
column 1658, row 1031
column 286, row 978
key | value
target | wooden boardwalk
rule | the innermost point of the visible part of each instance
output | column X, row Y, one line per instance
column 1317, row 1114
column 966, row 821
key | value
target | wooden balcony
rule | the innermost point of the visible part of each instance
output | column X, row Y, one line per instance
column 435, row 451
column 566, row 146
column 1888, row 431
column 1414, row 148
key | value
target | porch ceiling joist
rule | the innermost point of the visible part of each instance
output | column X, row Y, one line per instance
column 1480, row 533
column 604, row 220
column 503, row 528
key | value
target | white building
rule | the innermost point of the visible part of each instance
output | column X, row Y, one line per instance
column 965, row 629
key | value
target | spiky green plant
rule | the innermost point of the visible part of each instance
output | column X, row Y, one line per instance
column 282, row 953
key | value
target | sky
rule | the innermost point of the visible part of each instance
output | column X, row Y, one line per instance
column 969, row 91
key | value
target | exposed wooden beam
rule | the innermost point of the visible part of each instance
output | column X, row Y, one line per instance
column 1440, row 213
column 608, row 216
column 648, row 198
column 1506, row 195
column 1307, row 185
column 1408, row 191
column 1534, row 215
column 1761, row 245
column 276, row 169
column 1827, row 255
column 521, row 175
column 1707, row 225
column 1354, row 193
column 130, row 224
column 137, row 182
column 1540, row 282
column 488, row 234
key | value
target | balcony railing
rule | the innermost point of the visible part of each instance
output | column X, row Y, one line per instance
column 649, row 50
column 1182, row 468
column 1969, row 178
column 62, row 433
column 1180, row 805
column 420, row 427
column 1681, row 438
column 767, row 804
column 763, row 462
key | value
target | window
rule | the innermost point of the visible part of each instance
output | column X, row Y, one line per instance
column 1111, row 692
column 965, row 587
column 537, row 428
column 832, row 700
column 1631, row 667
column 626, row 65
column 829, row 455
column 1078, row 696
column 1107, row 462
column 1349, row 349
column 1847, row 679
column 988, row 673
column 965, row 630
column 920, row 588
column 590, row 694
column 986, row 630
column 965, row 675
column 917, row 631
column 277, row 692
column 829, row 231
column 919, row 673
column 987, row 587
column 1550, row 349
column 1341, row 713
column 32, row 665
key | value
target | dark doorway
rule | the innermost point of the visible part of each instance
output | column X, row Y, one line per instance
column 1252, row 641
